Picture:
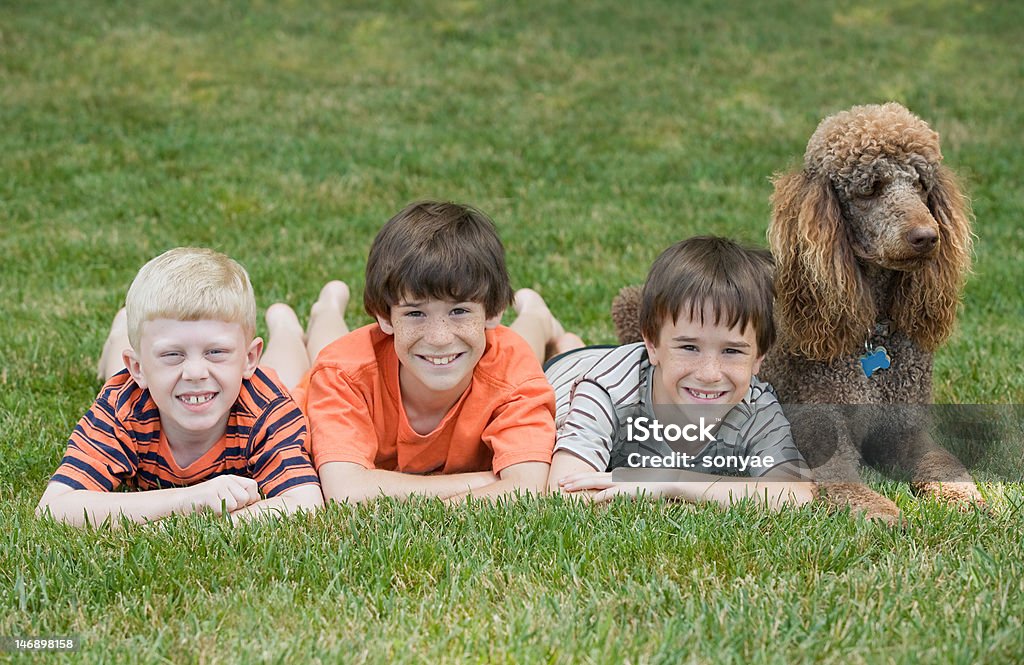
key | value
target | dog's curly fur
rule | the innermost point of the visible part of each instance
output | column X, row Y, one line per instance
column 872, row 243
column 872, row 176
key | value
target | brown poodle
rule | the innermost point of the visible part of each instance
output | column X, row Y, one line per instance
column 872, row 244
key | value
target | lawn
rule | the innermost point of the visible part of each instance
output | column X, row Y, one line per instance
column 595, row 134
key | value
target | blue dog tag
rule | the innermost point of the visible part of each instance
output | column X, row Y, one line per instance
column 875, row 360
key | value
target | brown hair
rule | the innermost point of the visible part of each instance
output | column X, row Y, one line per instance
column 437, row 250
column 826, row 308
column 707, row 270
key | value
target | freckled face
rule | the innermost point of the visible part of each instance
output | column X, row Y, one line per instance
column 438, row 344
column 703, row 364
column 194, row 372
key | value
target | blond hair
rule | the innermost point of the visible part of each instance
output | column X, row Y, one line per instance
column 190, row 284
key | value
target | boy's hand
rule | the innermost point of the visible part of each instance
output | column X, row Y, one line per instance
column 227, row 492
column 588, row 480
column 606, row 490
column 634, row 490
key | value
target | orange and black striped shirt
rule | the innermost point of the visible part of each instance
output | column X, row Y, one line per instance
column 119, row 442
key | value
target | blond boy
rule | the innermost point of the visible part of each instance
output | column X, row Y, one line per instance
column 191, row 419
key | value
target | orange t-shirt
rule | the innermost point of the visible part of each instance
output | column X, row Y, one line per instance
column 352, row 400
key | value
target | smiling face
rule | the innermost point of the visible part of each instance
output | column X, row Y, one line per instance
column 194, row 372
column 438, row 344
column 703, row 363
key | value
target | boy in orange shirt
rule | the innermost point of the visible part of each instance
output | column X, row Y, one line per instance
column 186, row 412
column 435, row 398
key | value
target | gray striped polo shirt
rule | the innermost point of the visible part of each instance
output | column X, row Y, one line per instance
column 598, row 391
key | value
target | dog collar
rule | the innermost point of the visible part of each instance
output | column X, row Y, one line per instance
column 875, row 357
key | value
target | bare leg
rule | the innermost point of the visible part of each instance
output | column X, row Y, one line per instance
column 327, row 318
column 535, row 323
column 285, row 352
column 568, row 342
column 111, row 361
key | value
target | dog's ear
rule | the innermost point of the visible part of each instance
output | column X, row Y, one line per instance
column 822, row 302
column 926, row 300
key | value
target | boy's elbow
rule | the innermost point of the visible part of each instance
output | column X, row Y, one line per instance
column 47, row 511
column 314, row 502
column 541, row 487
column 532, row 485
column 798, row 494
column 43, row 509
column 307, row 498
column 345, row 482
column 53, row 504
column 351, row 492
column 532, row 477
column 805, row 493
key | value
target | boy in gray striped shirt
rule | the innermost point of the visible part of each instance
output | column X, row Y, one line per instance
column 681, row 414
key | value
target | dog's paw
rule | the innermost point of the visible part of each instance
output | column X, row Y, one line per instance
column 962, row 495
column 884, row 516
column 861, row 499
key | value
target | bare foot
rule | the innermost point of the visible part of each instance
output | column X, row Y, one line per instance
column 333, row 298
column 327, row 317
column 117, row 341
column 528, row 301
column 285, row 351
column 567, row 342
column 281, row 319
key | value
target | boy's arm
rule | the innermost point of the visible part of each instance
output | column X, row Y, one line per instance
column 585, row 439
column 522, row 478
column 520, row 434
column 101, row 453
column 350, row 482
column 81, row 507
column 785, row 485
column 765, row 434
column 305, row 497
column 280, row 464
column 563, row 465
column 341, row 427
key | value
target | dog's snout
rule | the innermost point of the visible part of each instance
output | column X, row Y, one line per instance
column 922, row 239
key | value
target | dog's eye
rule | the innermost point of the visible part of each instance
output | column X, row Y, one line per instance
column 919, row 186
column 869, row 189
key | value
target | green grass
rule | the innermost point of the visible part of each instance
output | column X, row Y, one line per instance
column 595, row 134
column 529, row 582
